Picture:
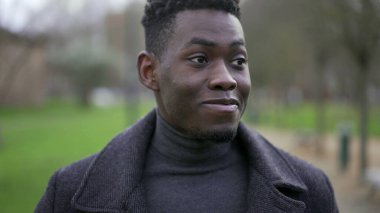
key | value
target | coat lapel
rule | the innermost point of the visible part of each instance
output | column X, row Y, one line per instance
column 113, row 181
column 271, row 178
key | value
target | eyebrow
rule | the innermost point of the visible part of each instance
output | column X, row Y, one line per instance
column 208, row 43
column 236, row 43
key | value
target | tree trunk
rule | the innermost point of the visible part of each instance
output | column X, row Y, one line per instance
column 84, row 96
column 320, row 102
column 363, row 115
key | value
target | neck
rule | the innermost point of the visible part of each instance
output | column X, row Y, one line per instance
column 178, row 146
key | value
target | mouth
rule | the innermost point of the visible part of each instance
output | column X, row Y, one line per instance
column 222, row 105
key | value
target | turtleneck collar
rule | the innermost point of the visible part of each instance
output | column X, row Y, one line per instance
column 180, row 147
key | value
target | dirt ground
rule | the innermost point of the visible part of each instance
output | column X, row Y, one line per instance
column 352, row 194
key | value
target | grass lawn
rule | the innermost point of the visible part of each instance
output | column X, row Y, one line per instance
column 36, row 142
column 302, row 118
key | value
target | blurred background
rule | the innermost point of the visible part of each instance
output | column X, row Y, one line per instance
column 68, row 84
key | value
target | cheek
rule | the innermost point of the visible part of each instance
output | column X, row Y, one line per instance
column 179, row 94
column 184, row 85
column 183, row 94
column 244, row 84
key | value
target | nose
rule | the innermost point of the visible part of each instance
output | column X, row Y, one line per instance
column 220, row 78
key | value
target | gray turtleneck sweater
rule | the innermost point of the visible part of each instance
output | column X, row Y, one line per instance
column 187, row 175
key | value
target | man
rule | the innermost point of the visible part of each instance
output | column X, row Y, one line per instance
column 191, row 154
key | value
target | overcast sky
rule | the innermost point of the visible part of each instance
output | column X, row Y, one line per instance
column 14, row 13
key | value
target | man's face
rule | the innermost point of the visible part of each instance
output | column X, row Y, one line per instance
column 203, row 76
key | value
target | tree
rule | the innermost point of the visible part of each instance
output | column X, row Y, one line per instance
column 134, row 43
column 86, row 67
column 17, row 47
column 321, row 31
column 359, row 22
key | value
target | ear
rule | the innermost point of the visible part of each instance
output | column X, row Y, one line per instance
column 147, row 66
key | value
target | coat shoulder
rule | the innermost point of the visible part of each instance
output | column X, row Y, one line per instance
column 72, row 175
column 306, row 171
column 319, row 187
column 62, row 187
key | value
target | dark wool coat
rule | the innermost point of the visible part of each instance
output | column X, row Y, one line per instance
column 110, row 181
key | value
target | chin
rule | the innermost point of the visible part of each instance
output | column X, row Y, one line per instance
column 216, row 135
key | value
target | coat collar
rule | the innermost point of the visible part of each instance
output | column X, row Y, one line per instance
column 112, row 183
column 270, row 174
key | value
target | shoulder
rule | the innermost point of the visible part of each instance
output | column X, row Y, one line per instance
column 126, row 149
column 319, row 187
column 284, row 170
column 62, row 187
column 70, row 176
column 273, row 156
column 310, row 174
column 303, row 168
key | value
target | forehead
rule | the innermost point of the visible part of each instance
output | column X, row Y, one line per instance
column 217, row 26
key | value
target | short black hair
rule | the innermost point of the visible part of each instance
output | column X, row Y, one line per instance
column 158, row 20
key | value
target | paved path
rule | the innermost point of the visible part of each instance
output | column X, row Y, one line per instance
column 352, row 195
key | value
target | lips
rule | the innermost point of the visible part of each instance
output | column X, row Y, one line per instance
column 222, row 105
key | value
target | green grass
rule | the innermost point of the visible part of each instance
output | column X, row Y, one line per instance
column 303, row 117
column 37, row 141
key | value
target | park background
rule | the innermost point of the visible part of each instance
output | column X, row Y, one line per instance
column 68, row 84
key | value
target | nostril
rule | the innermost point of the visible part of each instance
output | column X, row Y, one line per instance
column 218, row 87
column 231, row 85
column 234, row 85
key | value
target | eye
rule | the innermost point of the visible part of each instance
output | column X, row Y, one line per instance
column 198, row 59
column 239, row 61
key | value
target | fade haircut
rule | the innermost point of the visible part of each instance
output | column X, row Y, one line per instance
column 159, row 19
